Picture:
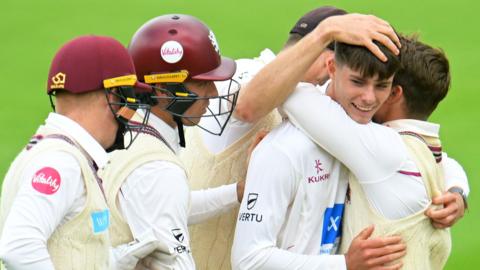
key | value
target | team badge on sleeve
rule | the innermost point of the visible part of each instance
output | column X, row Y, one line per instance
column 252, row 200
column 100, row 221
column 46, row 180
column 178, row 234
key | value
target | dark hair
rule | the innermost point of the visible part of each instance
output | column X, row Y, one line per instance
column 360, row 59
column 424, row 76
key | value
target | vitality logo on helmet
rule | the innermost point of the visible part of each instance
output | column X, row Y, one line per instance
column 171, row 51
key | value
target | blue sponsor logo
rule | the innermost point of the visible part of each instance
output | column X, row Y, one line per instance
column 332, row 228
column 100, row 221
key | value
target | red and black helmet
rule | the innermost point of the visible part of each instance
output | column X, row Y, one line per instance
column 170, row 50
column 175, row 42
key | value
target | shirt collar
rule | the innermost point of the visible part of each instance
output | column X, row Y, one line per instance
column 324, row 87
column 169, row 134
column 75, row 131
column 417, row 126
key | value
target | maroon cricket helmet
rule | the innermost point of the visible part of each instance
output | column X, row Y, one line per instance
column 84, row 63
column 311, row 19
column 175, row 42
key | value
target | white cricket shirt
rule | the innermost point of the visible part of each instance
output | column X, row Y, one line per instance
column 156, row 196
column 290, row 217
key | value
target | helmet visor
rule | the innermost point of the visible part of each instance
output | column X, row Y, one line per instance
column 216, row 115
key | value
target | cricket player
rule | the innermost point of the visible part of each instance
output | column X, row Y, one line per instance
column 217, row 160
column 359, row 107
column 253, row 104
column 393, row 178
column 147, row 185
column 53, row 209
column 295, row 190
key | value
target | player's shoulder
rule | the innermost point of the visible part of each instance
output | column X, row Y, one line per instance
column 247, row 69
column 290, row 139
column 52, row 151
column 49, row 170
column 60, row 159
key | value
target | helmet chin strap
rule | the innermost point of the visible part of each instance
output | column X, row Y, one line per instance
column 119, row 143
column 181, row 133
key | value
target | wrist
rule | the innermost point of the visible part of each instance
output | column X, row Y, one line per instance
column 460, row 191
column 325, row 32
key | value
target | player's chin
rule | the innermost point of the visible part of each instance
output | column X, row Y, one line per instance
column 360, row 117
column 191, row 121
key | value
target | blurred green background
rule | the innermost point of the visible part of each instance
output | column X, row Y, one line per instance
column 31, row 32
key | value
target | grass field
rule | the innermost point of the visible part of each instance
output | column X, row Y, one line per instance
column 32, row 31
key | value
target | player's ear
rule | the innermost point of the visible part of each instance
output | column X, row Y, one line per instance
column 329, row 57
column 396, row 95
column 331, row 67
column 111, row 98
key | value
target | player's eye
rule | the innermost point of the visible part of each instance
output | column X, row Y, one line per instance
column 357, row 82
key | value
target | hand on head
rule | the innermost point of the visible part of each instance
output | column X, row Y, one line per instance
column 362, row 30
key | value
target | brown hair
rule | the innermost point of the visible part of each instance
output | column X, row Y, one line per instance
column 360, row 59
column 424, row 76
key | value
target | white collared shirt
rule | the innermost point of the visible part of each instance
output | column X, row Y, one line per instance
column 453, row 172
column 156, row 196
column 170, row 134
column 34, row 216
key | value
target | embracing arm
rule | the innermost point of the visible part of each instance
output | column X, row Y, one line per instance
column 371, row 151
column 452, row 201
column 276, row 81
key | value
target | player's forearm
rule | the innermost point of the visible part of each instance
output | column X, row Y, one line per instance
column 207, row 203
column 360, row 147
column 272, row 85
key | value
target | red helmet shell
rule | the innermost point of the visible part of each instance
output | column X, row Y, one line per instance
column 174, row 42
column 83, row 63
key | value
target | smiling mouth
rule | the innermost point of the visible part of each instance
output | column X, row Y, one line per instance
column 362, row 108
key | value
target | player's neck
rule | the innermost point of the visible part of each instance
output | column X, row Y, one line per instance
column 164, row 115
